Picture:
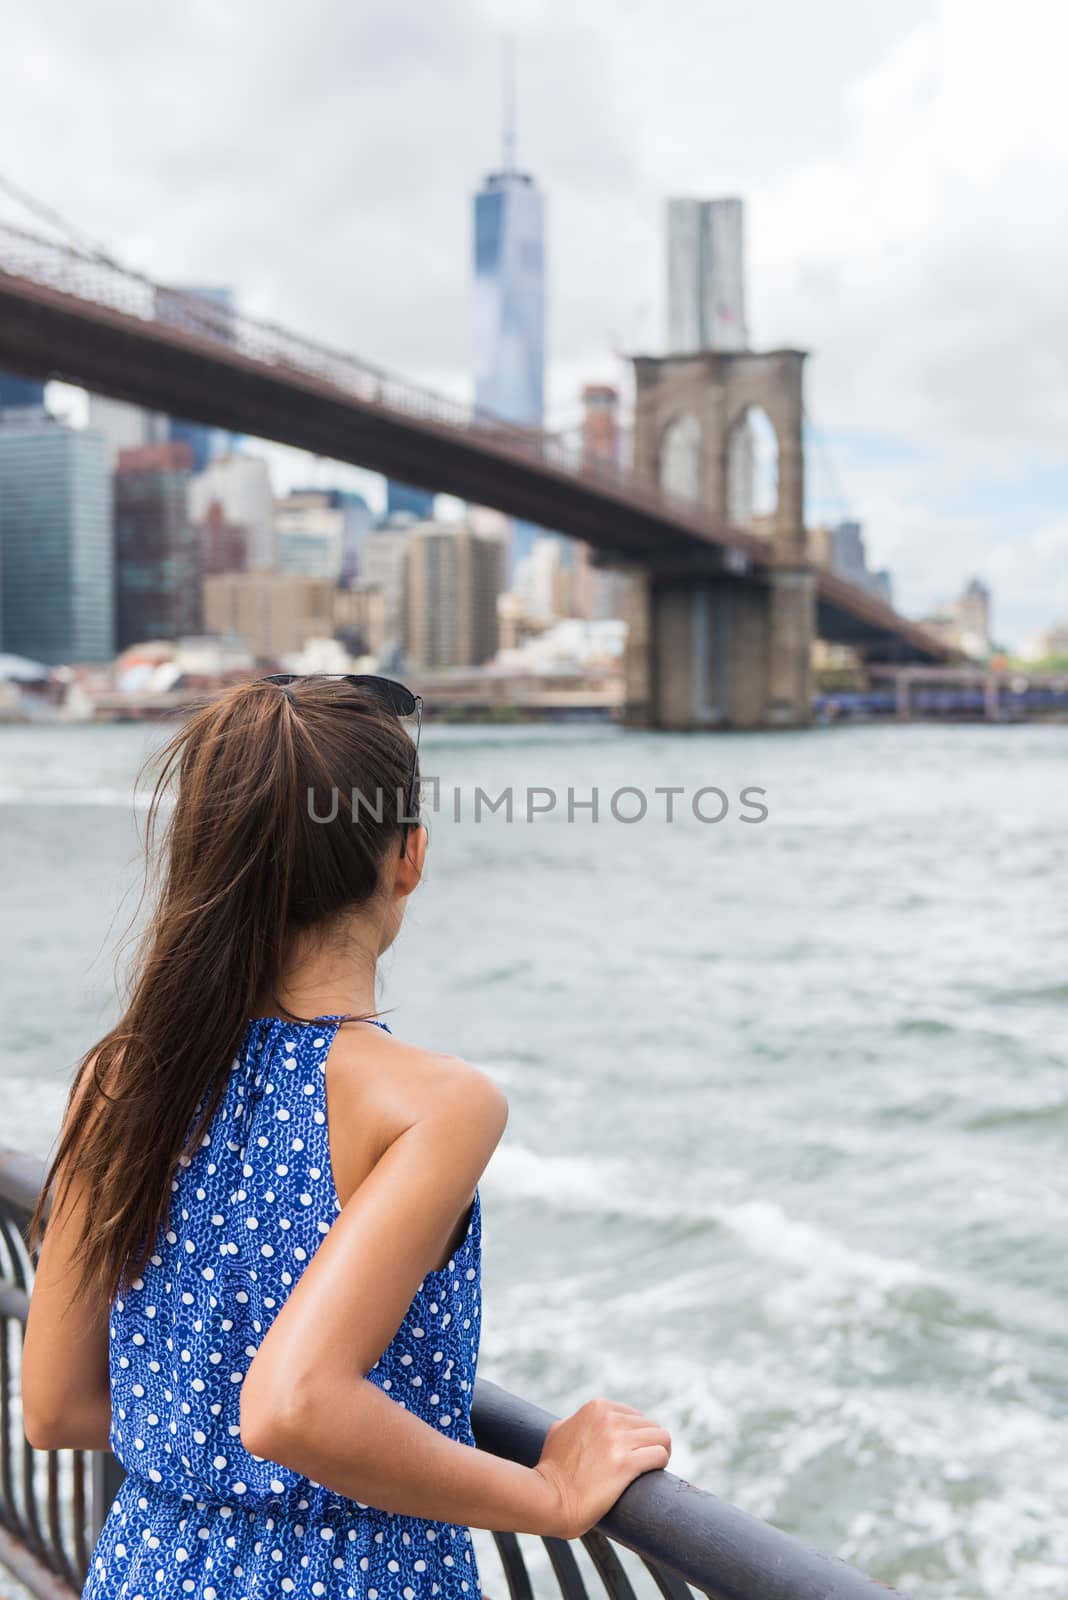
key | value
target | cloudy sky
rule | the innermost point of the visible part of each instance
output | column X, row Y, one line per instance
column 903, row 163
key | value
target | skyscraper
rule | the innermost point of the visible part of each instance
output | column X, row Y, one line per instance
column 510, row 298
column 453, row 578
column 157, row 593
column 509, row 309
column 706, row 311
column 705, row 275
column 56, row 557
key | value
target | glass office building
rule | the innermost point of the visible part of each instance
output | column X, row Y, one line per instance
column 57, row 587
column 510, row 309
column 510, row 299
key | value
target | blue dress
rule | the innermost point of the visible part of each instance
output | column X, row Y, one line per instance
column 197, row 1514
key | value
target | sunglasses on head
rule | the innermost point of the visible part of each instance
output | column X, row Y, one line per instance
column 394, row 696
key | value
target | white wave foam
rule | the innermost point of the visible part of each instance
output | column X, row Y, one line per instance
column 595, row 1185
column 606, row 1187
column 100, row 795
column 827, row 1267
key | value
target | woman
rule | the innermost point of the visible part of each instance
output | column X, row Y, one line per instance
column 260, row 1277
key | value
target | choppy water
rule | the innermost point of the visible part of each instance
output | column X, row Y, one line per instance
column 785, row 1165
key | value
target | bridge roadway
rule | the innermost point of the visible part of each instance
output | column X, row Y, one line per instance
column 69, row 315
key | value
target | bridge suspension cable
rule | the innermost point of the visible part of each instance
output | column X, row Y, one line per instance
column 55, row 219
column 198, row 313
column 820, row 453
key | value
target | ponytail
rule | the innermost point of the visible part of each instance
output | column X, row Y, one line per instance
column 246, row 859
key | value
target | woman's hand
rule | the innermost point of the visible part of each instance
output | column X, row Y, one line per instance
column 590, row 1457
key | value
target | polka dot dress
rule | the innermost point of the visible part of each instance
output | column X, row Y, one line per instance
column 197, row 1514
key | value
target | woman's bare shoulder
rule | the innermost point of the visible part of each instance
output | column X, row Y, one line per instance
column 378, row 1086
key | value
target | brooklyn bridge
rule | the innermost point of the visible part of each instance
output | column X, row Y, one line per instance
column 722, row 618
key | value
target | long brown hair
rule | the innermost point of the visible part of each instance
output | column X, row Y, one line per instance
column 286, row 802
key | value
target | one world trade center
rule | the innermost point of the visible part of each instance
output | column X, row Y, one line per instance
column 509, row 311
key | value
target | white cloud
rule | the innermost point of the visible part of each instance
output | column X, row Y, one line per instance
column 923, row 260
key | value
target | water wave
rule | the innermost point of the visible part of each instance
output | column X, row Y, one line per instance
column 607, row 1188
column 1045, row 994
column 99, row 795
column 1047, row 1114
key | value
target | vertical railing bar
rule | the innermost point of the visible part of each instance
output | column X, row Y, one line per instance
column 670, row 1586
column 55, row 1532
column 58, row 1559
column 32, row 1526
column 610, row 1569
column 26, row 1514
column 568, row 1576
column 514, row 1566
column 8, row 1510
column 79, row 1511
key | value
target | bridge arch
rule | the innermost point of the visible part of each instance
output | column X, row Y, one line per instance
column 751, row 471
column 720, row 388
column 681, row 458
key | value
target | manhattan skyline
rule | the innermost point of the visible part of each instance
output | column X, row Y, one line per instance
column 914, row 244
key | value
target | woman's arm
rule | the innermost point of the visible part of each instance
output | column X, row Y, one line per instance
column 66, row 1402
column 306, row 1401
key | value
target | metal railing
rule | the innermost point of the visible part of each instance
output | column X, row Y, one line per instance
column 53, row 1503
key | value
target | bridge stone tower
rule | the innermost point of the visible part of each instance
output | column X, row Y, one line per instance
column 721, row 640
